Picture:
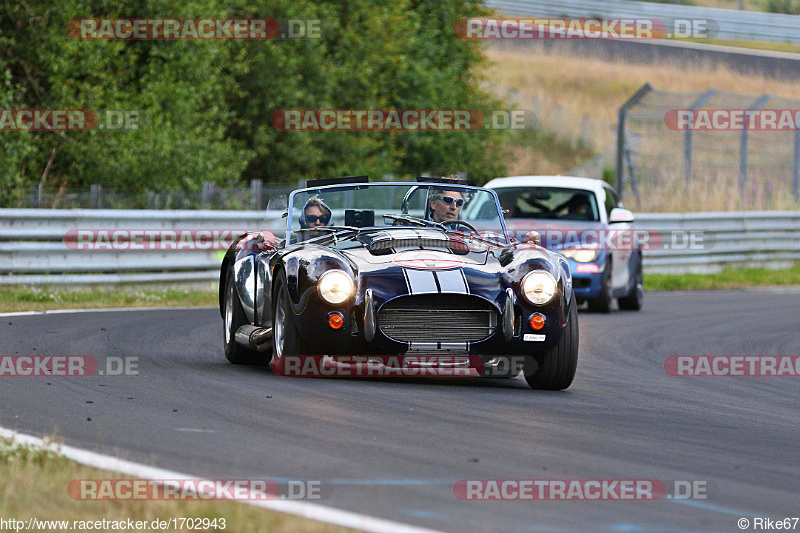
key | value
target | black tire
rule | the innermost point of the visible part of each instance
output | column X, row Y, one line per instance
column 232, row 318
column 555, row 368
column 634, row 300
column 285, row 337
column 602, row 304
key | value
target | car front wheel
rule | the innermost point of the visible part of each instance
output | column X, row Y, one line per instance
column 555, row 368
column 286, row 339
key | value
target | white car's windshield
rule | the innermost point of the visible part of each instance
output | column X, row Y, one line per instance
column 378, row 205
column 549, row 203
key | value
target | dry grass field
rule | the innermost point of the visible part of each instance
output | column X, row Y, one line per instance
column 597, row 88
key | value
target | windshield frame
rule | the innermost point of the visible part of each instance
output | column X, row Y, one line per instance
column 426, row 184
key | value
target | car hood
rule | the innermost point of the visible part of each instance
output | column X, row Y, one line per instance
column 419, row 248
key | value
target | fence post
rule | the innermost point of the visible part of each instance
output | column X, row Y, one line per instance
column 687, row 137
column 205, row 195
column 758, row 104
column 796, row 167
column 94, row 196
column 585, row 129
column 255, row 194
column 559, row 120
column 621, row 114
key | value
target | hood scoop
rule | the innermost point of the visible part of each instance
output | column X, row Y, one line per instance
column 387, row 244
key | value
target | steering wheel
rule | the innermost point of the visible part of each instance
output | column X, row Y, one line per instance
column 457, row 223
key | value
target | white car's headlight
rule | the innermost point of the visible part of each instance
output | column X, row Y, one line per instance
column 581, row 255
column 539, row 287
column 335, row 286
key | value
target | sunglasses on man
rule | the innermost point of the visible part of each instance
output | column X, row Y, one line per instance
column 312, row 219
column 449, row 200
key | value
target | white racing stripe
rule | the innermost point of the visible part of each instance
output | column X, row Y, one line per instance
column 308, row 510
column 420, row 281
column 452, row 281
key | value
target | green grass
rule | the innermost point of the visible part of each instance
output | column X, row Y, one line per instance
column 33, row 484
column 14, row 298
column 753, row 45
column 727, row 279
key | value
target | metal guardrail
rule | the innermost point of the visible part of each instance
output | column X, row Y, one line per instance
column 756, row 238
column 733, row 24
column 33, row 249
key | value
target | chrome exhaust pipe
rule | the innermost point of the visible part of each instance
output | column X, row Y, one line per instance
column 254, row 337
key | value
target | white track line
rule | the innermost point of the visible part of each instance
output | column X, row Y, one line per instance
column 305, row 509
column 102, row 310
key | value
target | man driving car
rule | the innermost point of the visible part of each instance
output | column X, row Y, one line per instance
column 445, row 205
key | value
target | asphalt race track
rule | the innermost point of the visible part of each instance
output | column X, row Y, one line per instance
column 393, row 448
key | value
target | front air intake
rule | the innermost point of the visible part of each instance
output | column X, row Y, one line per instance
column 438, row 318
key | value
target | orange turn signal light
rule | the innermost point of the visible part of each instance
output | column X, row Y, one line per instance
column 336, row 321
column 537, row 322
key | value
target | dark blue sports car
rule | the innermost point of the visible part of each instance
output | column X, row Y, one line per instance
column 420, row 274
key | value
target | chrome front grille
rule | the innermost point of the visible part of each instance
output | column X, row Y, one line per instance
column 438, row 318
column 386, row 246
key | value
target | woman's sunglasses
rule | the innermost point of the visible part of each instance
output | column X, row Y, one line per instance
column 449, row 200
column 312, row 219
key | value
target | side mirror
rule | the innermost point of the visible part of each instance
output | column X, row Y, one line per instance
column 620, row 215
column 534, row 236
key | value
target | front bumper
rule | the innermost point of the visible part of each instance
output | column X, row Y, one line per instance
column 586, row 285
column 361, row 334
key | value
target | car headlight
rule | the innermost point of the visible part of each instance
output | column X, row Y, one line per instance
column 539, row 287
column 581, row 255
column 335, row 286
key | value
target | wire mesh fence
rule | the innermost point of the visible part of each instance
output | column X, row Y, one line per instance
column 254, row 197
column 712, row 150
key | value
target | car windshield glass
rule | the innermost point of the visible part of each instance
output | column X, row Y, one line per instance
column 444, row 207
column 549, row 203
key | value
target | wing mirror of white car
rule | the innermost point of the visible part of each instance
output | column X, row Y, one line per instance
column 619, row 215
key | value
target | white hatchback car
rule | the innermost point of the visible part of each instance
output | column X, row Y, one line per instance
column 583, row 220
